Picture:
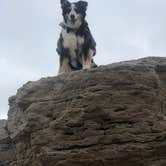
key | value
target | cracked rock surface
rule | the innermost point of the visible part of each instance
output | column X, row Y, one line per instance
column 113, row 115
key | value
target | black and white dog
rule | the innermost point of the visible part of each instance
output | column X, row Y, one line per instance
column 76, row 46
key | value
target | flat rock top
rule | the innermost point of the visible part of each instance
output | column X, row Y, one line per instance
column 48, row 87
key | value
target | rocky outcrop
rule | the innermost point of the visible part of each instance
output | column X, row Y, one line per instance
column 6, row 146
column 113, row 115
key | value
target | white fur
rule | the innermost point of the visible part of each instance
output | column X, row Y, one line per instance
column 80, row 40
column 72, row 42
column 78, row 23
column 73, row 12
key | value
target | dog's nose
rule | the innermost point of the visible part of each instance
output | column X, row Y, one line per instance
column 72, row 17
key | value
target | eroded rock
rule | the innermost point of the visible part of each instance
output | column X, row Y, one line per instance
column 112, row 115
column 6, row 145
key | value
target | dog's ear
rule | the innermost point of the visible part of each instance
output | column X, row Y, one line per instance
column 63, row 2
column 83, row 5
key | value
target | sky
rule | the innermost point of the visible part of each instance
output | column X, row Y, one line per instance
column 29, row 30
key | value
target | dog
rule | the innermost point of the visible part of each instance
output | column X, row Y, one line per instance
column 76, row 45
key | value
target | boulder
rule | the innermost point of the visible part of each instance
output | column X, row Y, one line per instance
column 113, row 115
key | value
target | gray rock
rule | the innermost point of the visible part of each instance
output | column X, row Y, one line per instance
column 3, row 133
column 112, row 115
column 6, row 149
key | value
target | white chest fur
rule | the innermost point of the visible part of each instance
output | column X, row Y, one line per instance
column 72, row 41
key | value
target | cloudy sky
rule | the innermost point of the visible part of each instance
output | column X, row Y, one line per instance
column 123, row 29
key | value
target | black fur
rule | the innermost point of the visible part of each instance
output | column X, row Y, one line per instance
column 81, row 7
column 65, row 8
column 82, row 31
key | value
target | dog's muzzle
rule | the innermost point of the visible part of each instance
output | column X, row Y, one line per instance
column 73, row 19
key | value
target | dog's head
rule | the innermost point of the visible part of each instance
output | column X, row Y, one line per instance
column 74, row 13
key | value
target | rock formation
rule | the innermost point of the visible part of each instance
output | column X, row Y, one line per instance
column 6, row 148
column 113, row 115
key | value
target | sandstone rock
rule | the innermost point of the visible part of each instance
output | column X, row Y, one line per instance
column 113, row 115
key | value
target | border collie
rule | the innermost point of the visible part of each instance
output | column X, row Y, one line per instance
column 76, row 46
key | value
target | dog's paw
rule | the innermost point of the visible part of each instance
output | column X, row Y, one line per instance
column 86, row 67
column 86, row 70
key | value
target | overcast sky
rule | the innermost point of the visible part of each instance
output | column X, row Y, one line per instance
column 123, row 30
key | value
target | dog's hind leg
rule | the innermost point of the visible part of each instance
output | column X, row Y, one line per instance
column 65, row 67
column 87, row 60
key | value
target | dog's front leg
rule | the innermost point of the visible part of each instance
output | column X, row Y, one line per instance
column 87, row 60
column 64, row 66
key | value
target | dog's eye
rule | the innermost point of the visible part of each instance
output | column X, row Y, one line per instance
column 67, row 9
column 77, row 10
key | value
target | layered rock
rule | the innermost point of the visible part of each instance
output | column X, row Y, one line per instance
column 113, row 115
